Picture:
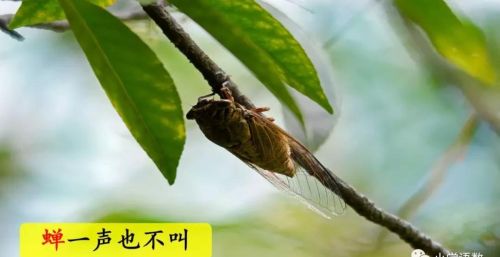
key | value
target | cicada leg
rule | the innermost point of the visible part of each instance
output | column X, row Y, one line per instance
column 226, row 92
column 261, row 110
column 205, row 96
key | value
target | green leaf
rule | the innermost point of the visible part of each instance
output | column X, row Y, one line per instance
column 139, row 87
column 34, row 12
column 461, row 43
column 317, row 122
column 261, row 42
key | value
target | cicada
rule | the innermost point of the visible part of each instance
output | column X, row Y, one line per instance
column 268, row 149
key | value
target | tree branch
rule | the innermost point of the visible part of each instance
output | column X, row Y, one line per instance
column 216, row 76
column 405, row 230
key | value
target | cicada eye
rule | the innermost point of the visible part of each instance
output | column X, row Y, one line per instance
column 203, row 102
column 191, row 115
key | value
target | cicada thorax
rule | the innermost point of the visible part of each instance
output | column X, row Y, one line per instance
column 245, row 134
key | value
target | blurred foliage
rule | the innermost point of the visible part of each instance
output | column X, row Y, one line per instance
column 462, row 43
column 397, row 119
column 130, row 216
column 139, row 87
column 483, row 98
column 6, row 163
column 281, row 229
column 34, row 12
column 480, row 232
column 490, row 240
column 11, row 172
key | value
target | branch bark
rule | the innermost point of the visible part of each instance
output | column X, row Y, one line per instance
column 215, row 76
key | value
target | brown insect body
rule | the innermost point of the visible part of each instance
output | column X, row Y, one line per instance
column 269, row 150
column 242, row 132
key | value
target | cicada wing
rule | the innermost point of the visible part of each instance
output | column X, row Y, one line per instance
column 312, row 167
column 306, row 188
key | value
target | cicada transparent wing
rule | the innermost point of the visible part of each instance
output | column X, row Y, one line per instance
column 308, row 189
column 311, row 182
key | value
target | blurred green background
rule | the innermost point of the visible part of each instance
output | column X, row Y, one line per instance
column 65, row 156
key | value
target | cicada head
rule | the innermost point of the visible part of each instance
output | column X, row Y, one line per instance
column 221, row 121
column 209, row 109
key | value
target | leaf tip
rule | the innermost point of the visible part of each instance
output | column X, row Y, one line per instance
column 328, row 107
column 321, row 99
column 171, row 180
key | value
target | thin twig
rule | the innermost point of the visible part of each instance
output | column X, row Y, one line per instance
column 437, row 173
column 61, row 26
column 453, row 155
column 350, row 22
column 216, row 76
column 4, row 27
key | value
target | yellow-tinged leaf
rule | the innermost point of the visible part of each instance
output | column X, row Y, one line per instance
column 461, row 43
column 139, row 87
